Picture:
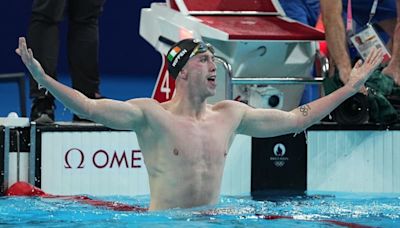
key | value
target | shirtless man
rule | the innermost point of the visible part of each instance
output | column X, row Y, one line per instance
column 185, row 141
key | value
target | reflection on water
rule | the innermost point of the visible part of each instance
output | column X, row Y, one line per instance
column 310, row 211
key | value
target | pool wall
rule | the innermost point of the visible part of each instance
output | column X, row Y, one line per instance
column 90, row 159
column 364, row 160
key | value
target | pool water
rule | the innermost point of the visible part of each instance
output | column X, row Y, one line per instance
column 302, row 211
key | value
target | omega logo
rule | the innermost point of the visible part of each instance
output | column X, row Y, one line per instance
column 103, row 159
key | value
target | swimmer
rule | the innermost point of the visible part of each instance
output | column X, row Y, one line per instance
column 185, row 141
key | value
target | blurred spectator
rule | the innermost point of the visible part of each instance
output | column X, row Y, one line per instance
column 307, row 12
column 82, row 46
column 385, row 19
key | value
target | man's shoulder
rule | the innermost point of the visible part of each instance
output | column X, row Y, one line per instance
column 229, row 104
column 145, row 103
column 144, row 100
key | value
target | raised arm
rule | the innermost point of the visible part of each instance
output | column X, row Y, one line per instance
column 270, row 122
column 335, row 32
column 115, row 114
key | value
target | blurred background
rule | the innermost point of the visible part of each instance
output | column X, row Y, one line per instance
column 128, row 64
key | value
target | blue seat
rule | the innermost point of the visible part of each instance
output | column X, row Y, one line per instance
column 20, row 79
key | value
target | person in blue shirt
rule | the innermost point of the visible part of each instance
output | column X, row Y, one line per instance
column 305, row 11
column 334, row 16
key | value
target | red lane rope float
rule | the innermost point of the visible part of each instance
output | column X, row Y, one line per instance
column 25, row 189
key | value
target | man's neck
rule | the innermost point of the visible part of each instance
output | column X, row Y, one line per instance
column 189, row 106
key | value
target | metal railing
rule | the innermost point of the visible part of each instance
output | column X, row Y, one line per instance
column 230, row 80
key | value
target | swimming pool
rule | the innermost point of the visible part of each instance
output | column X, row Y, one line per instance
column 319, row 210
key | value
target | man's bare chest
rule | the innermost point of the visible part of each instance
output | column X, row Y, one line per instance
column 198, row 141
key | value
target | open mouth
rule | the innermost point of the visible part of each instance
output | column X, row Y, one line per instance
column 211, row 79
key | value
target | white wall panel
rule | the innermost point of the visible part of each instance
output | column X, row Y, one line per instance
column 112, row 179
column 353, row 161
column 237, row 173
column 99, row 173
column 23, row 167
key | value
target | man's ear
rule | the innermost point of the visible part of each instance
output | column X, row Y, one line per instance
column 183, row 74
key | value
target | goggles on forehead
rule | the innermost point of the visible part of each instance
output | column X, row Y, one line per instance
column 201, row 48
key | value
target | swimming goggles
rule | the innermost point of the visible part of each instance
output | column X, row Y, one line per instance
column 201, row 48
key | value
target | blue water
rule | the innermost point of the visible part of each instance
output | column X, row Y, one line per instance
column 311, row 211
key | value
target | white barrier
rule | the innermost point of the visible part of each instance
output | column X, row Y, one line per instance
column 354, row 161
column 111, row 163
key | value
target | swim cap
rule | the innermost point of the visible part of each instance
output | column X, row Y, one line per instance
column 182, row 51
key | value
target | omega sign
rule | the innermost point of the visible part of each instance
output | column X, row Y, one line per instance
column 75, row 158
column 279, row 151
